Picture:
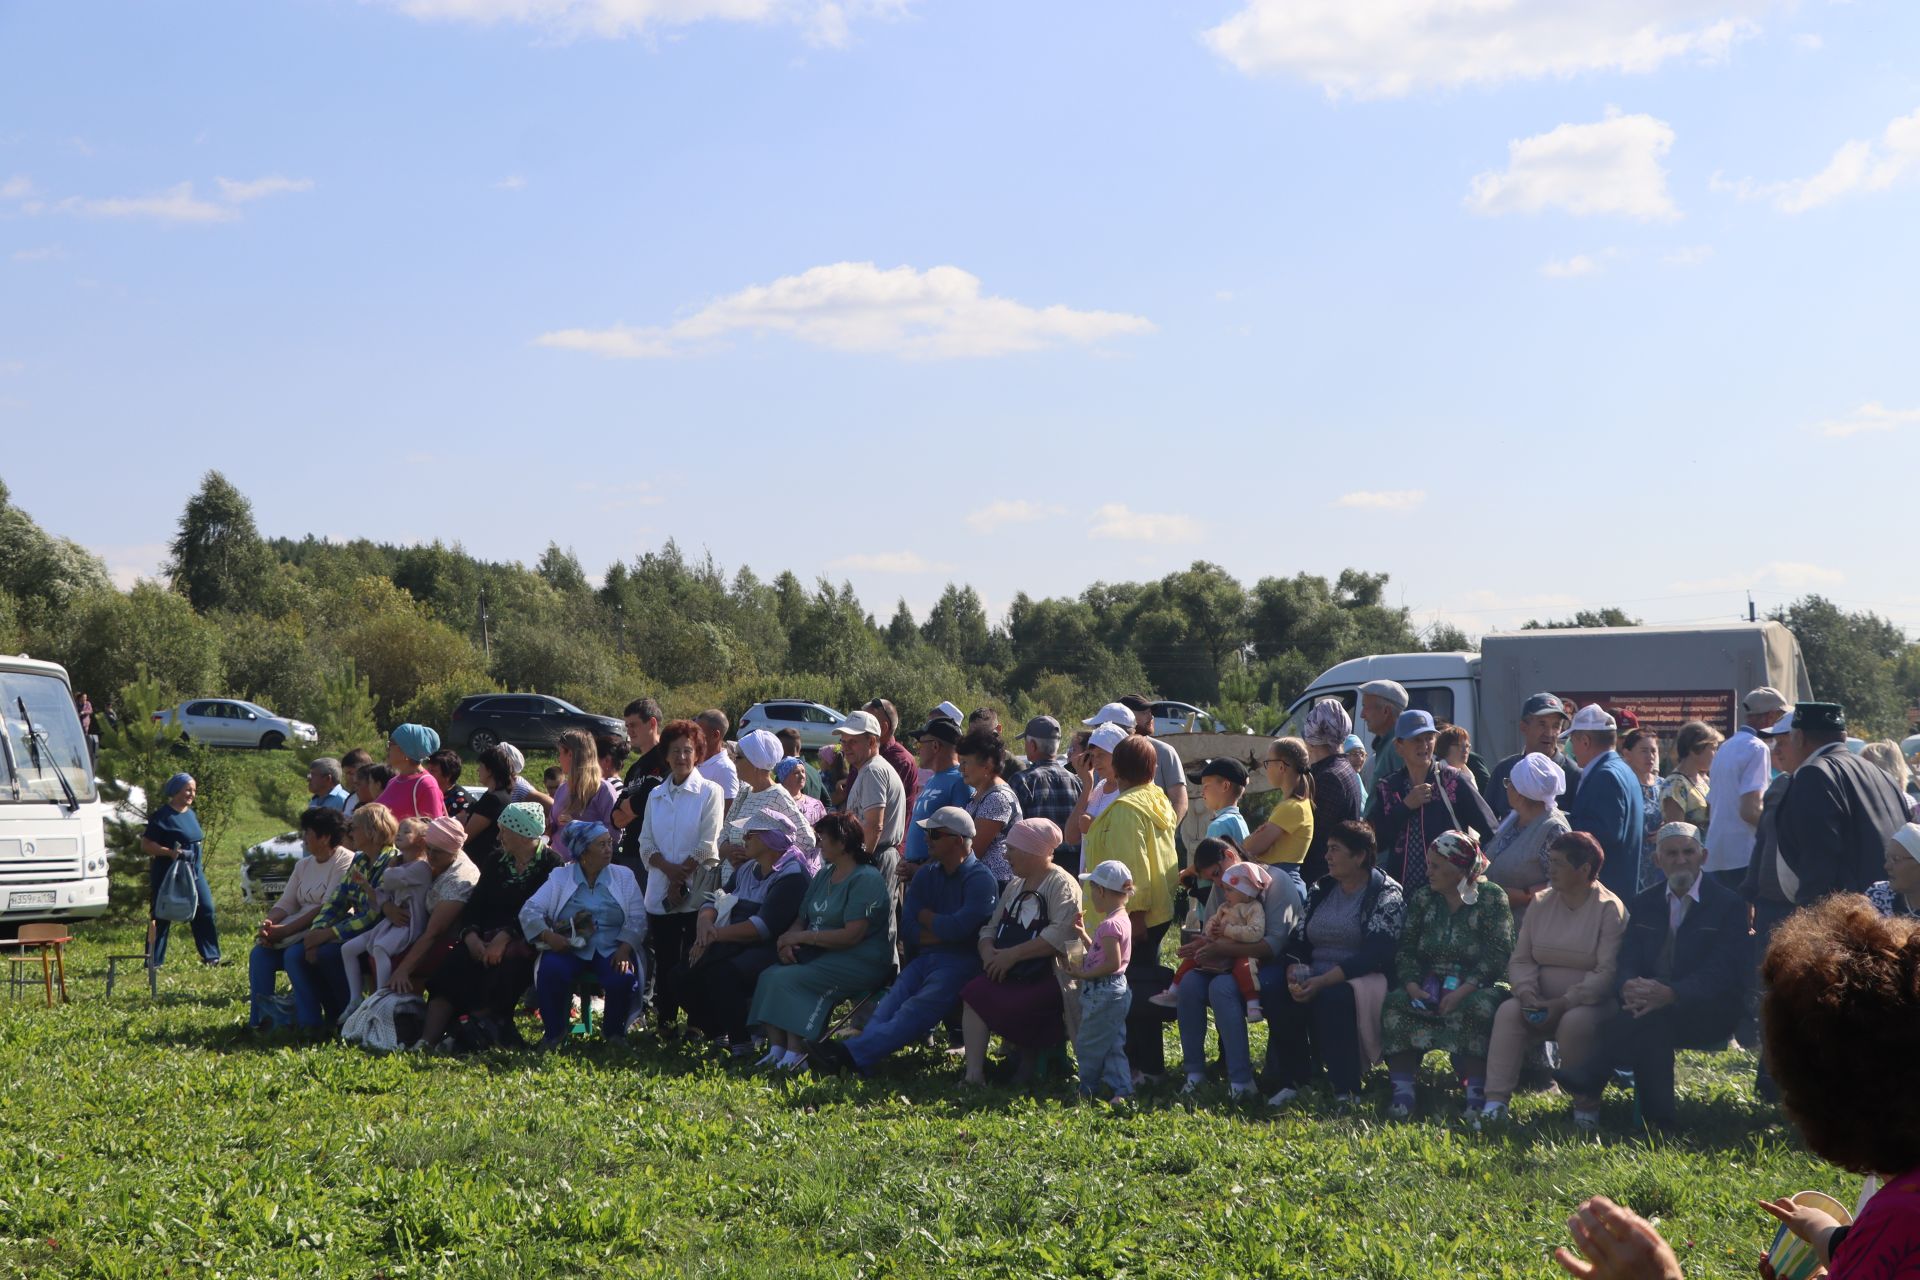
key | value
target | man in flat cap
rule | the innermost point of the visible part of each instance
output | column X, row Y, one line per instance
column 1838, row 813
column 1381, row 702
column 1543, row 719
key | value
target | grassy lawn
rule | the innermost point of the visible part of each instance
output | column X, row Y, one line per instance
column 153, row 1138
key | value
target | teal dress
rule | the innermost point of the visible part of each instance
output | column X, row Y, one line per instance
column 797, row 998
column 1471, row 943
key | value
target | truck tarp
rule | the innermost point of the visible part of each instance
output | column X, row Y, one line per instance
column 1664, row 675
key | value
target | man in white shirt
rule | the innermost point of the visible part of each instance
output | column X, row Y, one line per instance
column 1737, row 785
column 715, row 761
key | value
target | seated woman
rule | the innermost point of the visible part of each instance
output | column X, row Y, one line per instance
column 1517, row 854
column 319, row 979
column 1899, row 893
column 483, row 817
column 1562, row 973
column 760, row 753
column 1021, row 996
column 492, row 966
column 1339, row 962
column 836, row 948
column 588, row 916
column 1452, row 967
column 313, row 881
column 771, row 875
column 791, row 774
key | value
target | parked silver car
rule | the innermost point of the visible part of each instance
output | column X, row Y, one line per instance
column 814, row 722
column 230, row 722
column 1183, row 717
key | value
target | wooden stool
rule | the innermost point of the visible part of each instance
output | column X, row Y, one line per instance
column 50, row 941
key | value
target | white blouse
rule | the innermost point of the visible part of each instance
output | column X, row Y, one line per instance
column 682, row 824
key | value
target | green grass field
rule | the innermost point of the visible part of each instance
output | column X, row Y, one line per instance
column 147, row 1138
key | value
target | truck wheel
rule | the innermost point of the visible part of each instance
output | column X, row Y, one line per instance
column 481, row 740
column 272, row 740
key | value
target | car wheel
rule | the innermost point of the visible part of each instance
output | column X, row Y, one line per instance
column 272, row 740
column 481, row 740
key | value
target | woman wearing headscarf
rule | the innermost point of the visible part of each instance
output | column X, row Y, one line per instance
column 1452, row 966
column 1338, row 794
column 412, row 792
column 760, row 754
column 589, row 915
column 492, row 963
column 1562, row 972
column 454, row 879
column 1020, row 993
column 173, row 833
column 734, row 939
column 1517, row 854
column 791, row 775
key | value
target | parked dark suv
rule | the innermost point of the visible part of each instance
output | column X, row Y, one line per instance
column 524, row 719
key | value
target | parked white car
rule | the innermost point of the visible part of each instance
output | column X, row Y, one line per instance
column 814, row 722
column 1183, row 717
column 229, row 722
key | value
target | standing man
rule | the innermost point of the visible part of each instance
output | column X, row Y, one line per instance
column 1543, row 722
column 941, row 786
column 1168, row 773
column 1737, row 781
column 1839, row 811
column 715, row 762
column 647, row 771
column 323, row 785
column 892, row 749
column 1609, row 805
column 1046, row 788
column 1762, row 888
column 1381, row 702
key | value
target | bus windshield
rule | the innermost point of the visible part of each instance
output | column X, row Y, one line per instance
column 32, row 760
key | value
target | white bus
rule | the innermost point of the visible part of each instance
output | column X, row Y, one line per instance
column 53, row 846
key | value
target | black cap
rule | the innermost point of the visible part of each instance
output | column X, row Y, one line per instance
column 941, row 729
column 1226, row 767
column 1820, row 717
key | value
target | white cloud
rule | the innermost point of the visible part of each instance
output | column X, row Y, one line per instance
column 1386, row 48
column 1858, row 166
column 1785, row 575
column 238, row 192
column 1382, row 499
column 41, row 253
column 1809, row 41
column 1009, row 511
column 1580, row 264
column 1869, row 417
column 1688, row 255
column 512, row 182
column 126, row 565
column 175, row 204
column 18, row 187
column 1611, row 166
column 889, row 562
column 821, row 22
column 11, row 367
column 939, row 313
column 1117, row 522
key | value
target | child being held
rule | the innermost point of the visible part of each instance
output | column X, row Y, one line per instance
column 1239, row 917
column 1105, row 997
column 401, row 900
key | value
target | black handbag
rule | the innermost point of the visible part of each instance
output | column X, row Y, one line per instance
column 1012, row 933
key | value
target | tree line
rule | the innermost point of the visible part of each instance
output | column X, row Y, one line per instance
column 284, row 622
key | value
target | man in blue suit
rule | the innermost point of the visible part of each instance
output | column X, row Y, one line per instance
column 1683, row 973
column 1608, row 805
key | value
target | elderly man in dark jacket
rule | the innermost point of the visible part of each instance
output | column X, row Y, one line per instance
column 1838, row 812
column 1683, row 973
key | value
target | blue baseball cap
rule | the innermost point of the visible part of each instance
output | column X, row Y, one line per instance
column 1412, row 724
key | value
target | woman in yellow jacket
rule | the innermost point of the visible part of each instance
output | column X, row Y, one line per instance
column 1137, row 829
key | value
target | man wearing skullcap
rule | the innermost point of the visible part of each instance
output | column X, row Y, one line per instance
column 1838, row 813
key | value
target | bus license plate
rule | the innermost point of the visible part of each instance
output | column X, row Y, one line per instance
column 43, row 898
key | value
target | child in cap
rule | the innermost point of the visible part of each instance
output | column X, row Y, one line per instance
column 1105, row 997
column 1240, row 917
column 1222, row 783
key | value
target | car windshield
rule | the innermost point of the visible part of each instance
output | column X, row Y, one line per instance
column 32, row 759
column 257, row 709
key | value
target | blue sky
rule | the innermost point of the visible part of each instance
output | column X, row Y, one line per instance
column 1532, row 305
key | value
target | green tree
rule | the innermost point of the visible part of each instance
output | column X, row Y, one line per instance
column 1852, row 659
column 218, row 560
column 1607, row 617
column 956, row 627
column 43, row 573
column 107, row 637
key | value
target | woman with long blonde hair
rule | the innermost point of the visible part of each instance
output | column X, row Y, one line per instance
column 585, row 795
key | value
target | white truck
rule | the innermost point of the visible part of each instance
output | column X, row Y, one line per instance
column 53, row 847
column 1665, row 675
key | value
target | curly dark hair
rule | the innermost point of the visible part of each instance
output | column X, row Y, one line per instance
column 674, row 730
column 846, row 833
column 328, row 824
column 1842, row 1019
column 985, row 746
column 1580, row 850
column 1357, row 838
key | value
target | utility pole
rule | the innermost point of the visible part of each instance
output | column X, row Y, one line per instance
column 486, row 642
column 1752, row 616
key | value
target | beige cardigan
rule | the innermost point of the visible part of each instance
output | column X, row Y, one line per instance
column 1586, row 940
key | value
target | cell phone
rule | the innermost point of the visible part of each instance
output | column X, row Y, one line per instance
column 1422, row 1005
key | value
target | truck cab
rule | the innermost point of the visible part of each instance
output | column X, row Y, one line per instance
column 53, row 848
column 1443, row 684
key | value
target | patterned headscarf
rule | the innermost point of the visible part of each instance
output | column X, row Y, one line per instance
column 578, row 837
column 524, row 819
column 1463, row 851
column 1327, row 724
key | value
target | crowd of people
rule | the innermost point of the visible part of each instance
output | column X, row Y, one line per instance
column 1567, row 911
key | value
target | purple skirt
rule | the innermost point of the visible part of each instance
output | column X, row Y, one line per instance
column 1029, row 1015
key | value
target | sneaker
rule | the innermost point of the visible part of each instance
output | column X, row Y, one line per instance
column 1400, row 1111
column 1586, row 1121
column 1495, row 1111
column 1168, row 999
column 1254, row 1012
column 1239, row 1092
column 1283, row 1097
column 1193, row 1085
column 1343, row 1103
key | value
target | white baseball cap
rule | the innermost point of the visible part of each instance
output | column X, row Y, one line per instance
column 947, row 711
column 1592, row 719
column 1113, row 713
column 1111, row 874
column 857, row 723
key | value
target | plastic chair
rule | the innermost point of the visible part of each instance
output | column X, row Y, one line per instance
column 49, row 942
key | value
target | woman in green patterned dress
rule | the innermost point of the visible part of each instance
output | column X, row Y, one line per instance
column 1452, row 965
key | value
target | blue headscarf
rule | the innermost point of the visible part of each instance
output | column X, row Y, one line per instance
column 175, row 828
column 171, row 787
column 415, row 741
column 575, row 837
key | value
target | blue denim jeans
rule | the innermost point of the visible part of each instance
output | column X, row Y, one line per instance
column 263, row 965
column 926, row 991
column 1200, row 992
column 206, row 934
column 554, row 980
column 1101, row 1046
column 319, row 984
